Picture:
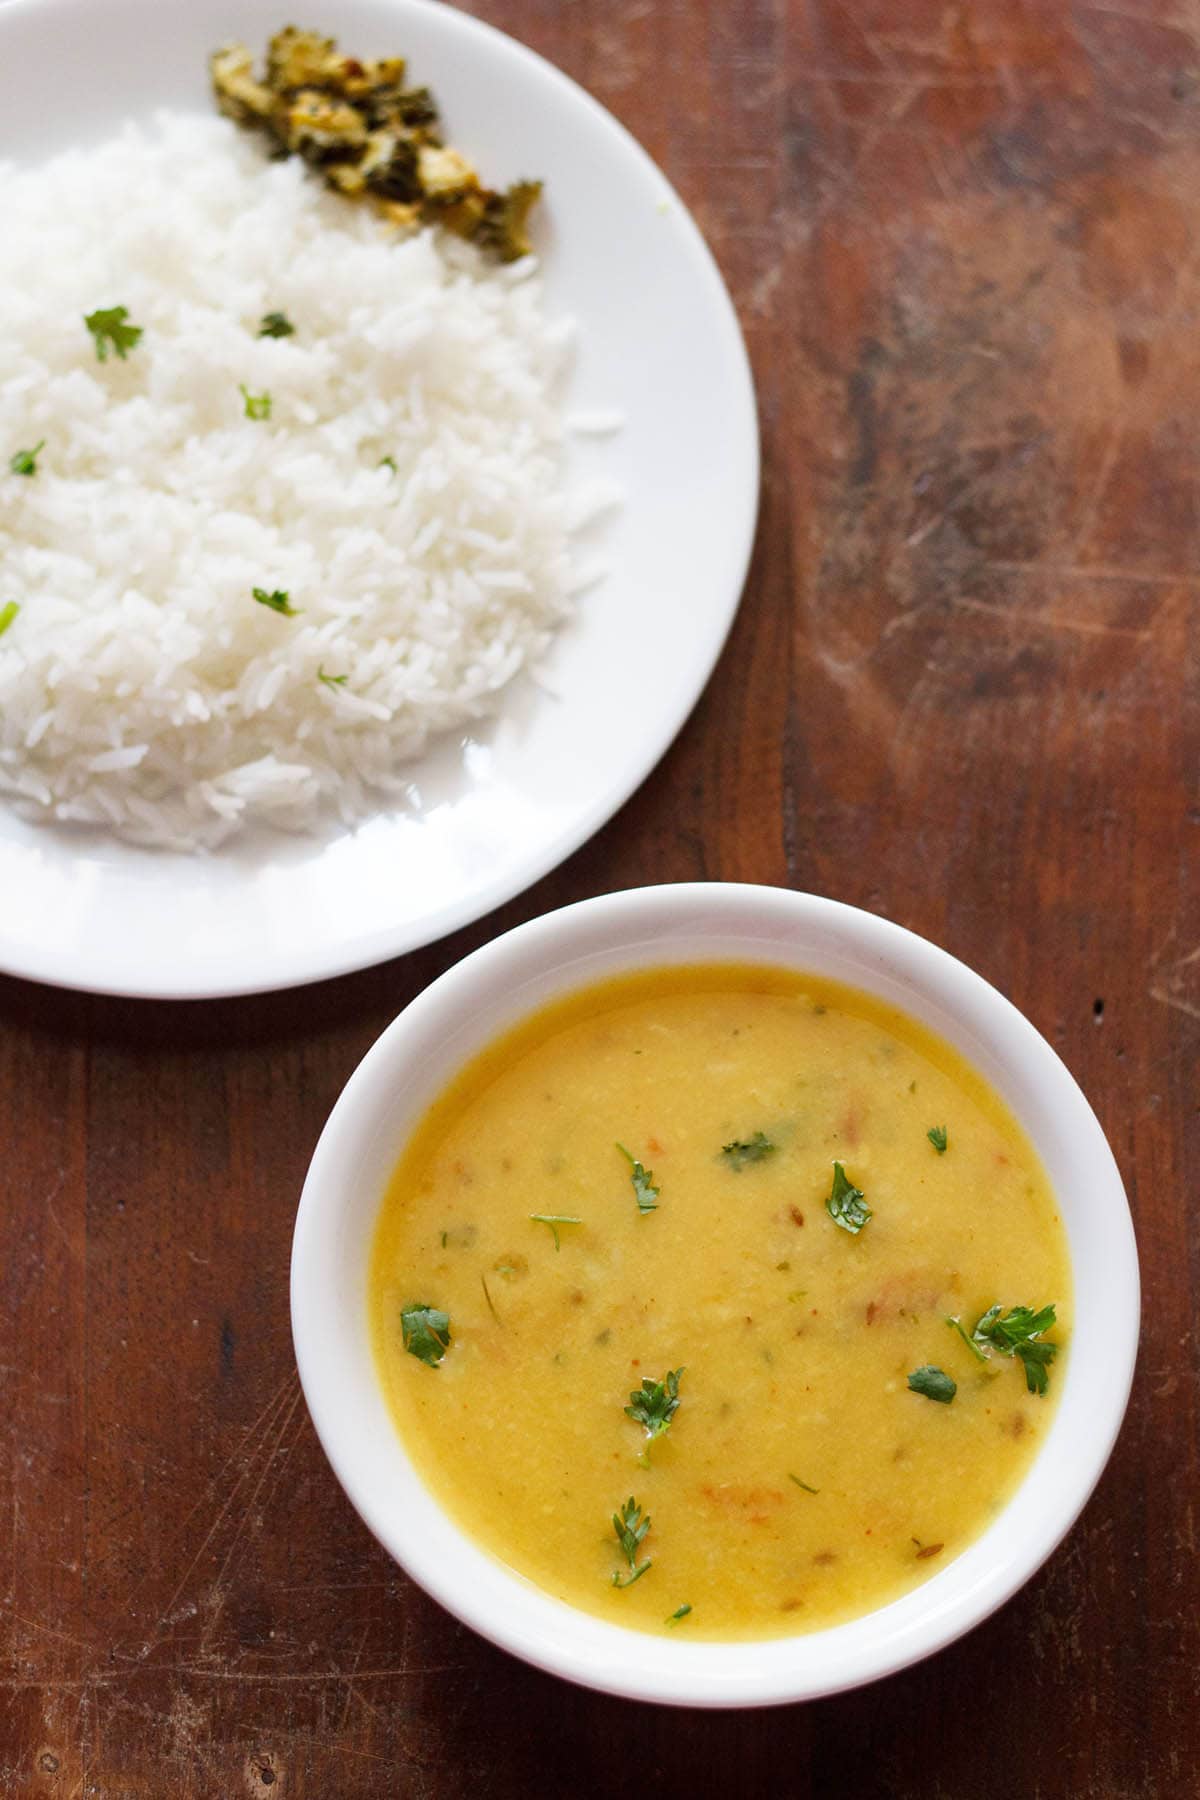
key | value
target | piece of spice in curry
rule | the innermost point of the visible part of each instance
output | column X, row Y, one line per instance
column 370, row 136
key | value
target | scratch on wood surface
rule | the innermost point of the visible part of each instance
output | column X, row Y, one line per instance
column 296, row 1738
column 932, row 151
column 847, row 171
column 203, row 1671
column 325, row 1745
column 257, row 1426
column 257, row 1431
column 125, row 1674
column 909, row 83
column 44, row 1630
column 352, row 1691
column 1018, row 617
column 74, row 1250
column 1130, row 410
column 272, row 1469
column 902, row 620
column 55, row 1684
column 1175, row 20
column 893, row 45
column 1104, row 572
column 89, row 1701
column 1091, row 506
column 1168, row 980
column 388, row 1588
column 964, row 491
column 762, row 293
column 16, row 1539
column 189, row 1725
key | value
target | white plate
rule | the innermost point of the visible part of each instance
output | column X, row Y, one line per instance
column 658, row 341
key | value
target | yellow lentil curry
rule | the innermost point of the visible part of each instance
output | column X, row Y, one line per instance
column 721, row 1300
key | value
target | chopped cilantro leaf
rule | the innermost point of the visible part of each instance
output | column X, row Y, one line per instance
column 937, row 1137
column 681, row 1612
column 845, row 1204
column 642, row 1178
column 1037, row 1359
column 425, row 1332
column 1019, row 1332
column 933, row 1383
column 1018, row 1325
column 331, row 681
column 388, row 462
column 8, row 613
column 24, row 462
column 956, row 1324
column 631, row 1527
column 278, row 600
column 748, row 1150
column 276, row 325
column 258, row 406
column 655, row 1403
column 554, row 1220
column 110, row 332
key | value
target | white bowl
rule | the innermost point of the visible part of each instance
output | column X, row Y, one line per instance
column 479, row 998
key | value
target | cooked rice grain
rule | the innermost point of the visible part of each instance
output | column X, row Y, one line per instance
column 142, row 688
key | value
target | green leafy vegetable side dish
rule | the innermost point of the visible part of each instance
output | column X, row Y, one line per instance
column 554, row 1220
column 655, row 1403
column 258, row 406
column 24, row 462
column 1019, row 1332
column 370, row 136
column 631, row 1526
column 748, row 1150
column 110, row 332
column 934, row 1383
column 278, row 600
column 425, row 1332
column 937, row 1137
column 645, row 1192
column 845, row 1204
column 276, row 325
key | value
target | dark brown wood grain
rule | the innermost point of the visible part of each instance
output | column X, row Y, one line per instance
column 964, row 242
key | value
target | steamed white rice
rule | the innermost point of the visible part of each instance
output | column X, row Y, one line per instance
column 141, row 686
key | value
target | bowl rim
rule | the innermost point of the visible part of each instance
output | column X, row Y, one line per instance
column 570, row 948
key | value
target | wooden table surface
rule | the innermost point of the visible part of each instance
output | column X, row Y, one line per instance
column 964, row 241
